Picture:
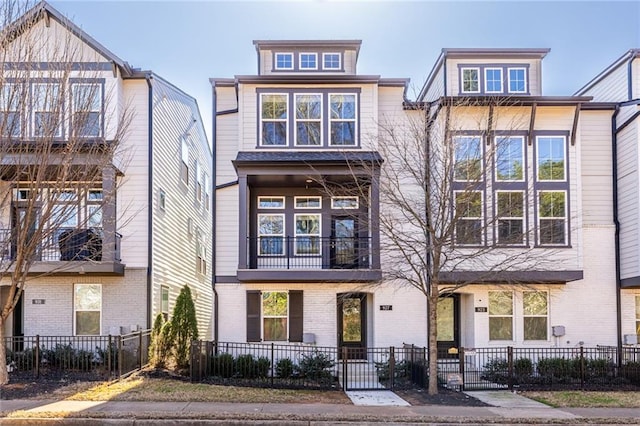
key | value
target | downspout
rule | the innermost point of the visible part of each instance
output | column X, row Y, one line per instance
column 616, row 222
column 213, row 214
column 148, row 78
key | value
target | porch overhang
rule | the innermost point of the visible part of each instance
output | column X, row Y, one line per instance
column 510, row 277
column 72, row 268
column 306, row 275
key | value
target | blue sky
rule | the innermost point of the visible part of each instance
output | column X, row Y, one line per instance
column 187, row 42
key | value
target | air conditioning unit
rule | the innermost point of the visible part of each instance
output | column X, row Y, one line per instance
column 630, row 339
column 558, row 330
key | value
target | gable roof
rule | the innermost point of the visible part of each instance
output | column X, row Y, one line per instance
column 627, row 57
column 44, row 10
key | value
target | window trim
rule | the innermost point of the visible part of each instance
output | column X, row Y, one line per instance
column 164, row 289
column 281, row 197
column 198, row 185
column 307, row 68
column 496, row 139
column 162, row 200
column 512, row 316
column 35, row 109
column 281, row 235
column 75, row 309
column 355, row 119
column 285, row 120
column 564, row 159
column 486, row 80
column 524, row 70
column 184, row 160
column 334, row 199
column 480, row 219
column 565, row 218
column 307, row 197
column 263, row 316
column 13, row 94
column 324, row 64
column 99, row 84
column 275, row 61
column 522, row 218
column 525, row 316
column 297, row 120
column 462, row 80
column 309, row 236
column 480, row 156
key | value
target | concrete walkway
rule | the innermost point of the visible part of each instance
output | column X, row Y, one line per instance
column 511, row 406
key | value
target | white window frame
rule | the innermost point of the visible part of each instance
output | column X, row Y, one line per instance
column 271, row 197
column 465, row 218
column 201, row 254
column 524, row 71
column 480, row 157
column 308, row 198
column 284, row 120
column 76, row 310
column 512, row 316
column 162, row 200
column 263, row 316
column 309, row 54
column 307, row 120
column 198, row 182
column 309, row 236
column 522, row 158
column 336, row 207
column 207, row 191
column 97, row 108
column 525, row 316
column 275, row 60
column 331, row 120
column 324, row 64
column 42, row 108
column 462, row 80
column 564, row 157
column 10, row 104
column 563, row 218
column 184, row 160
column 281, row 235
column 486, row 80
column 165, row 290
column 510, row 218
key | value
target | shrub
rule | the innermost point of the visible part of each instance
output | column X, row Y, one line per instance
column 631, row 372
column 522, row 369
column 246, row 366
column 496, row 370
column 316, row 366
column 263, row 364
column 561, row 369
column 284, row 368
column 222, row 365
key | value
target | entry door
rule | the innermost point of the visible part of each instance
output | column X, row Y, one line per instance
column 18, row 327
column 448, row 326
column 352, row 321
column 344, row 242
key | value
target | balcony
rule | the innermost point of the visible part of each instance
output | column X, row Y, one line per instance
column 310, row 258
column 70, row 251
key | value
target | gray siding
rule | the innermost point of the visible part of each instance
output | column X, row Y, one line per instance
column 612, row 88
column 629, row 202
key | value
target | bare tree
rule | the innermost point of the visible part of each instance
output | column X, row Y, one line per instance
column 60, row 154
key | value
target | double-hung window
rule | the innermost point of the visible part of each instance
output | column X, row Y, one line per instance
column 86, row 104
column 87, row 307
column 308, row 61
column 551, row 162
column 307, row 234
column 500, row 315
column 553, row 190
column 510, row 214
column 284, row 61
column 517, row 80
column 467, row 158
column 271, row 234
column 493, row 80
column 470, row 80
column 198, row 182
column 274, row 114
column 10, row 116
column 275, row 315
column 342, row 119
column 308, row 119
column 535, row 312
column 184, row 165
column 509, row 158
column 331, row 61
column 552, row 217
column 468, row 221
column 47, row 110
column 201, row 254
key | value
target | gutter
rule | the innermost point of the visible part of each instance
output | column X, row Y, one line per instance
column 616, row 222
column 148, row 78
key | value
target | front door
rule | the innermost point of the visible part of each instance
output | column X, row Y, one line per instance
column 352, row 325
column 18, row 327
column 344, row 242
column 448, row 326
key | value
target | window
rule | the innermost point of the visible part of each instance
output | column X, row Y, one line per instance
column 552, row 217
column 184, row 166
column 343, row 119
column 308, row 202
column 10, row 117
column 207, row 191
column 500, row 315
column 64, row 216
column 87, row 307
column 470, row 80
column 275, row 309
column 271, row 202
column 274, row 113
column 331, row 61
column 308, row 61
column 198, row 182
column 468, row 158
column 94, row 208
column 307, row 232
column 493, row 80
column 270, row 234
column 308, row 119
column 164, row 302
column 551, row 158
column 86, row 103
column 517, row 80
column 344, row 203
column 638, row 315
column 201, row 254
column 162, row 200
column 510, row 158
column 510, row 211
column 284, row 61
column 468, row 223
column 534, row 304
column 47, row 107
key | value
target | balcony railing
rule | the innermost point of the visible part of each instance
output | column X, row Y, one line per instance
column 309, row 252
column 66, row 244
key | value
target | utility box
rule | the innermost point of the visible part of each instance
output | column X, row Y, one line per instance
column 558, row 330
column 630, row 339
column 308, row 338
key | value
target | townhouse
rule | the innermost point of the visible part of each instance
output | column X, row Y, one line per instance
column 149, row 210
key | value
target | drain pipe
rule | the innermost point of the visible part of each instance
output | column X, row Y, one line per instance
column 616, row 222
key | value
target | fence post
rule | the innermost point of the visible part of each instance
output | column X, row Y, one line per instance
column 392, row 366
column 345, row 376
column 461, row 366
column 582, row 369
column 510, row 367
column 140, row 350
column 119, row 356
column 37, row 355
column 272, row 364
column 109, row 350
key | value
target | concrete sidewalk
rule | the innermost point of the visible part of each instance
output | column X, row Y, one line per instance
column 513, row 408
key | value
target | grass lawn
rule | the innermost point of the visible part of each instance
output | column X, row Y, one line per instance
column 587, row 399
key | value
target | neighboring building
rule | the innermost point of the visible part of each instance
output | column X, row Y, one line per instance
column 619, row 85
column 155, row 232
column 552, row 157
column 302, row 262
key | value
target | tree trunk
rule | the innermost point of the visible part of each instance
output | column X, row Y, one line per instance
column 432, row 306
column 4, row 374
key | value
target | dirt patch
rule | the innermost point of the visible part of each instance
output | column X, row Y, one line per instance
column 23, row 385
column 443, row 397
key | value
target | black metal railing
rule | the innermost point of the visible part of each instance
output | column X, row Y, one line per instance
column 66, row 244
column 309, row 252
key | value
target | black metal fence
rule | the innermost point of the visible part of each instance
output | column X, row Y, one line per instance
column 89, row 357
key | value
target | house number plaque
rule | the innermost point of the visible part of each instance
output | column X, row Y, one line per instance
column 386, row 307
column 37, row 301
column 481, row 309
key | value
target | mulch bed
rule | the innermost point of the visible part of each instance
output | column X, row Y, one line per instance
column 443, row 397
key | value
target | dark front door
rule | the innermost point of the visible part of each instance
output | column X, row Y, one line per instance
column 344, row 242
column 352, row 321
column 18, row 327
column 449, row 326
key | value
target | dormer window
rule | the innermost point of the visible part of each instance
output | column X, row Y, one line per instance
column 470, row 80
column 517, row 80
column 308, row 61
column 284, row 61
column 493, row 80
column 331, row 61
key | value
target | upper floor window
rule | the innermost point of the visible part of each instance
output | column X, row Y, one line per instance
column 308, row 119
column 314, row 202
column 343, row 119
column 284, row 61
column 517, row 80
column 467, row 158
column 274, row 113
column 510, row 214
column 198, row 182
column 307, row 229
column 10, row 117
column 331, row 61
column 551, row 155
column 308, row 61
column 271, row 234
column 201, row 254
column 344, row 203
column 468, row 223
column 271, row 202
column 184, row 165
column 86, row 107
column 509, row 158
column 493, row 80
column 207, row 191
column 552, row 217
column 470, row 80
column 47, row 110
